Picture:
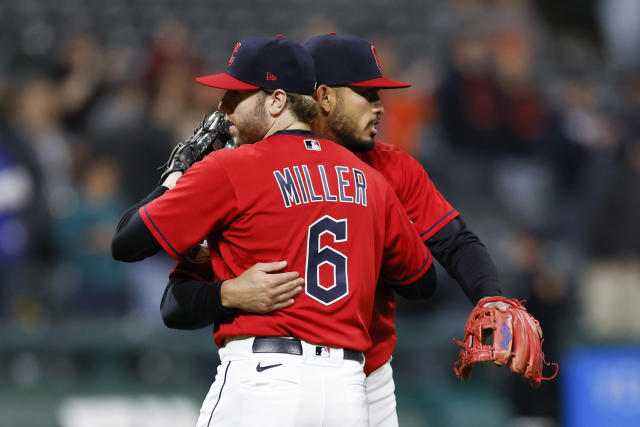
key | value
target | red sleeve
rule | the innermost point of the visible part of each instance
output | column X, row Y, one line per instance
column 405, row 258
column 203, row 200
column 424, row 204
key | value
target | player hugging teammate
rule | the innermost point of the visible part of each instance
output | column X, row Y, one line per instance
column 359, row 227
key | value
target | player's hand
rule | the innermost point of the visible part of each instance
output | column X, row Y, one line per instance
column 261, row 289
column 503, row 307
column 171, row 179
column 498, row 305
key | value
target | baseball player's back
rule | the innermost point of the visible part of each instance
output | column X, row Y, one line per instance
column 295, row 197
column 311, row 202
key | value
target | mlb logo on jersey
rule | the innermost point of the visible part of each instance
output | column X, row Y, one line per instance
column 312, row 144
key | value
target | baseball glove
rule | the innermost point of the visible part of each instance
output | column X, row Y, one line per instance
column 212, row 134
column 517, row 341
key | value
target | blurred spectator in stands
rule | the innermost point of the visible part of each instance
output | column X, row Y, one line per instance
column 536, row 275
column 493, row 115
column 173, row 62
column 409, row 111
column 36, row 120
column 80, row 80
column 619, row 24
column 467, row 98
column 616, row 229
column 24, row 224
column 95, row 286
column 488, row 102
column 523, row 110
column 580, row 148
column 125, row 131
column 172, row 45
column 153, row 108
column 177, row 104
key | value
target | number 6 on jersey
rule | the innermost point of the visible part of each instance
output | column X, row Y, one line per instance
column 317, row 257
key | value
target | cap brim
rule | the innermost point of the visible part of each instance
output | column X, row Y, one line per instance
column 382, row 83
column 225, row 81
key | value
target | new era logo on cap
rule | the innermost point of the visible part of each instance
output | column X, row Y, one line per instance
column 268, row 63
column 347, row 60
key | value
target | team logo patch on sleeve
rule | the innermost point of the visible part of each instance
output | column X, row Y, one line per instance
column 312, row 144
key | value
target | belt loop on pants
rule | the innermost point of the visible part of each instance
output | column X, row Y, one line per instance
column 294, row 346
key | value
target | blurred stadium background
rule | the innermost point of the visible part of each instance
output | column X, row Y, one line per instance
column 526, row 114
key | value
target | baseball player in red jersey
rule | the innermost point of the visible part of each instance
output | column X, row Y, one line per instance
column 285, row 194
column 350, row 78
column 349, row 74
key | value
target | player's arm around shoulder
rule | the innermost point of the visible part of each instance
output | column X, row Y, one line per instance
column 137, row 236
column 202, row 201
column 263, row 288
column 193, row 300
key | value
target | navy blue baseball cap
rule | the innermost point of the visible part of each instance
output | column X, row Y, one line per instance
column 344, row 60
column 267, row 63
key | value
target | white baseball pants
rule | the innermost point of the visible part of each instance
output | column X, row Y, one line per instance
column 318, row 388
column 381, row 396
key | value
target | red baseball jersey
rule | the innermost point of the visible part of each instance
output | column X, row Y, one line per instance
column 429, row 212
column 306, row 200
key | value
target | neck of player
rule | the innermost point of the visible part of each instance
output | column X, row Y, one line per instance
column 286, row 121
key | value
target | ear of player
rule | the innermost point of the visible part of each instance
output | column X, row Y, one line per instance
column 517, row 341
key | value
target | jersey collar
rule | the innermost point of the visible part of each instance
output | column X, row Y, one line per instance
column 298, row 132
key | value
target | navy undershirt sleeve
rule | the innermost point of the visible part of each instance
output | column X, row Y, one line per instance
column 132, row 240
column 466, row 259
column 422, row 289
column 192, row 304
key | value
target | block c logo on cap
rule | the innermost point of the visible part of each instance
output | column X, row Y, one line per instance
column 233, row 54
column 375, row 56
